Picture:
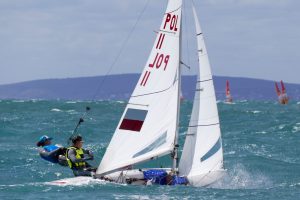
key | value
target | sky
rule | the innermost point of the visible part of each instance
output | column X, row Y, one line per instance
column 42, row 39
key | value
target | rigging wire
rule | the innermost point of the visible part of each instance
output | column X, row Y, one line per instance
column 121, row 49
column 99, row 87
column 186, row 32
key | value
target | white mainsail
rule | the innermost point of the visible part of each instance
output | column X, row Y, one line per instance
column 147, row 128
column 202, row 153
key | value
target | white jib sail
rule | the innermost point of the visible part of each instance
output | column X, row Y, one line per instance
column 202, row 152
column 148, row 125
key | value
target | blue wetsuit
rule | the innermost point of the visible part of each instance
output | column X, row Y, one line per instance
column 51, row 153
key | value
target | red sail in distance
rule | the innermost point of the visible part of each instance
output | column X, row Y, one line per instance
column 277, row 89
column 282, row 96
column 282, row 87
column 228, row 95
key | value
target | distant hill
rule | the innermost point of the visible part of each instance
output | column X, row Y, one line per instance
column 120, row 87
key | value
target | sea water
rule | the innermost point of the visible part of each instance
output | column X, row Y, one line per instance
column 261, row 142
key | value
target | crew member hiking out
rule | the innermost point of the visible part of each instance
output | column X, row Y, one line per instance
column 77, row 157
column 50, row 152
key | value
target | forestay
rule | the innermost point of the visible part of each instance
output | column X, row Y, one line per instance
column 148, row 125
column 202, row 152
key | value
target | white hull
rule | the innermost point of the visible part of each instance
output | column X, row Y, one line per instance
column 200, row 180
column 122, row 176
column 136, row 177
column 133, row 176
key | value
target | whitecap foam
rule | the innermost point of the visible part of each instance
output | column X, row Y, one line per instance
column 22, row 185
column 280, row 127
column 183, row 133
column 261, row 132
column 55, row 110
column 18, row 101
column 71, row 102
column 58, row 174
column 295, row 185
column 253, row 111
column 239, row 178
column 35, row 100
column 76, row 181
column 72, row 112
column 256, row 111
column 296, row 128
column 8, row 119
column 139, row 197
column 230, row 153
column 229, row 103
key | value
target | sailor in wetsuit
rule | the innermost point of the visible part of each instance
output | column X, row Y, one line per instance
column 77, row 157
column 51, row 153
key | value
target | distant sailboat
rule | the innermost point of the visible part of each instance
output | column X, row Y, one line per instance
column 181, row 96
column 282, row 96
column 149, row 126
column 228, row 95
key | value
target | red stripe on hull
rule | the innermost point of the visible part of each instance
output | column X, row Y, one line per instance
column 131, row 125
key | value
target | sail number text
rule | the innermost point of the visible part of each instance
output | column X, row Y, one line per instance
column 170, row 24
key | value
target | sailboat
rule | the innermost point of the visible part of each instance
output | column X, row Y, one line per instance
column 228, row 95
column 149, row 126
column 282, row 96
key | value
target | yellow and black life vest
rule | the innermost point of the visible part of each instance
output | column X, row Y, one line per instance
column 79, row 154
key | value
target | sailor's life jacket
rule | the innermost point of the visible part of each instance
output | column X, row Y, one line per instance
column 77, row 165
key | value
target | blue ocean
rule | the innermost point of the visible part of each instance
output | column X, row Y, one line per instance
column 261, row 142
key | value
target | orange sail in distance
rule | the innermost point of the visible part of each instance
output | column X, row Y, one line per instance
column 228, row 95
column 282, row 96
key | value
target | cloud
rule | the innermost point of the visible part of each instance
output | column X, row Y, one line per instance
column 70, row 38
column 250, row 2
column 54, row 38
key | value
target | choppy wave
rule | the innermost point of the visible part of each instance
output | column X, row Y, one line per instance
column 72, row 112
column 238, row 177
column 18, row 101
column 71, row 102
column 76, row 181
column 254, row 111
column 55, row 110
column 260, row 141
column 9, row 119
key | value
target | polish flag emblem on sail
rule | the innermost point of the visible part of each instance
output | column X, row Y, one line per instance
column 133, row 119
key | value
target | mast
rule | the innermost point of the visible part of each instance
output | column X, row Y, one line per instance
column 175, row 151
